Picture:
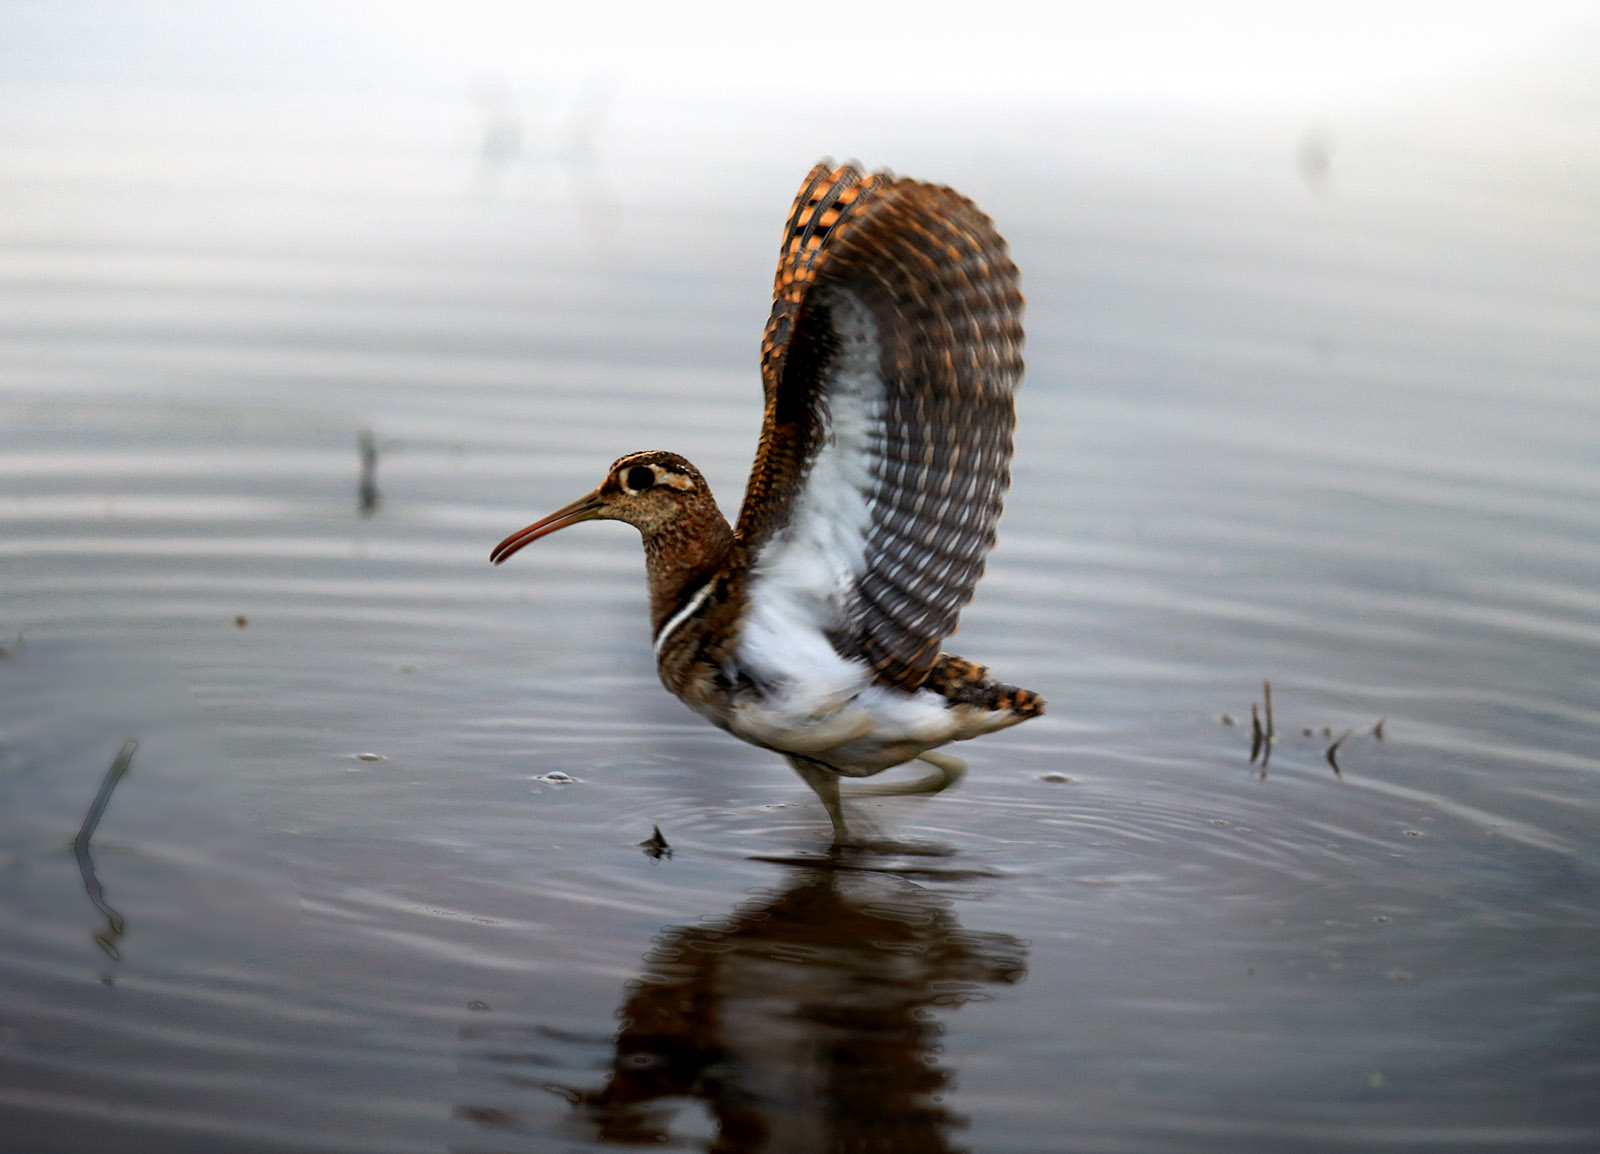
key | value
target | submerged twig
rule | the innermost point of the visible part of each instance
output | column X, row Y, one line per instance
column 106, row 940
column 367, row 490
column 1333, row 752
column 1262, row 735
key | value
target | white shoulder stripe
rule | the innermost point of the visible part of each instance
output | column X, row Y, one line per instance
column 689, row 610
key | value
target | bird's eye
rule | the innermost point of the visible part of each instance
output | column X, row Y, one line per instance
column 639, row 478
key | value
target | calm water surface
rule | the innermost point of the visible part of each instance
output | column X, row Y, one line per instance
column 373, row 879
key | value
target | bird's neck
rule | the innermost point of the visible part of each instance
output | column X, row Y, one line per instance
column 682, row 554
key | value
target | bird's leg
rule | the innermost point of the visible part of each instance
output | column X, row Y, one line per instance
column 826, row 784
column 947, row 771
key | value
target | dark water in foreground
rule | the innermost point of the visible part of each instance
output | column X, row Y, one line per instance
column 374, row 881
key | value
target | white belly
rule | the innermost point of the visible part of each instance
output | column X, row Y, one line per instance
column 860, row 733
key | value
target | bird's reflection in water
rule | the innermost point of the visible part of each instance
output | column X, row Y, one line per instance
column 807, row 1019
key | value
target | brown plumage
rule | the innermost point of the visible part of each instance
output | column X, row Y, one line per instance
column 936, row 278
column 889, row 364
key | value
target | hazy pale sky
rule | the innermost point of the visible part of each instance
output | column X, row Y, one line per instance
column 1138, row 51
column 1147, row 49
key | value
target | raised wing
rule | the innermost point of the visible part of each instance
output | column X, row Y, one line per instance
column 889, row 362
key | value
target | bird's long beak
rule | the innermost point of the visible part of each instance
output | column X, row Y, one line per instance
column 587, row 508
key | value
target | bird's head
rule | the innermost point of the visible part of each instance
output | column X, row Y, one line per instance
column 650, row 491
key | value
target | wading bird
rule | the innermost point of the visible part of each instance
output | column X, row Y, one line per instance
column 813, row 626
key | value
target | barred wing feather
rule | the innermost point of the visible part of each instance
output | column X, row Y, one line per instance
column 890, row 362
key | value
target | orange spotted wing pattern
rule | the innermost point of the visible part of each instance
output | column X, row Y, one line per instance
column 934, row 275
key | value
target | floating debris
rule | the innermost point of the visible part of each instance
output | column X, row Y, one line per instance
column 369, row 757
column 1055, row 778
column 241, row 620
column 555, row 777
column 1227, row 719
column 655, row 846
column 1377, row 730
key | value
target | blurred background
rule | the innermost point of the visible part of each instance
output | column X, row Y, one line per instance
column 293, row 97
column 305, row 305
